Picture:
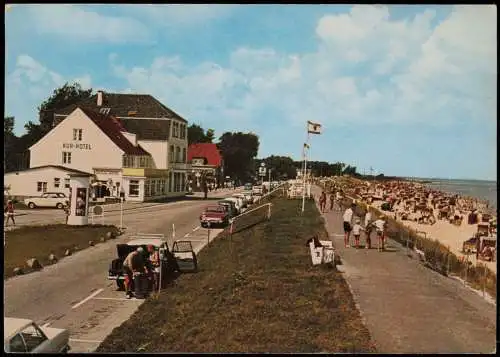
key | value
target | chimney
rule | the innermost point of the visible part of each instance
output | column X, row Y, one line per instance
column 99, row 98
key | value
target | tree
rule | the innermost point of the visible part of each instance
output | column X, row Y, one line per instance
column 61, row 97
column 282, row 167
column 238, row 151
column 196, row 134
column 10, row 141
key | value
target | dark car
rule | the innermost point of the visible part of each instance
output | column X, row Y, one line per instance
column 169, row 263
column 230, row 207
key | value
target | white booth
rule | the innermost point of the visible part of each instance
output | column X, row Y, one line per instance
column 79, row 199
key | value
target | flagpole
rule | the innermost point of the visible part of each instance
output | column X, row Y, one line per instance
column 306, row 147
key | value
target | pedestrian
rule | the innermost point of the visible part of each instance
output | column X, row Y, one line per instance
column 380, row 225
column 332, row 200
column 154, row 260
column 356, row 230
column 9, row 213
column 339, row 200
column 347, row 224
column 129, row 275
column 368, row 228
column 322, row 201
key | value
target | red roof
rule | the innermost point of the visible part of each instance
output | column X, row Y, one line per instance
column 205, row 150
column 112, row 127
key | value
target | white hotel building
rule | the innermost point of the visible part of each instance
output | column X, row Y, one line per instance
column 132, row 145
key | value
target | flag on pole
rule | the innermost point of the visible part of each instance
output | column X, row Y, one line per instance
column 313, row 128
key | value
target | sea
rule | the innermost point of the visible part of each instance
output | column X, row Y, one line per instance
column 482, row 190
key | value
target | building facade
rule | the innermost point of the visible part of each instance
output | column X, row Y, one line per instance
column 133, row 145
column 206, row 165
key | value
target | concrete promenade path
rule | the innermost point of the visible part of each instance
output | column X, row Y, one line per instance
column 407, row 307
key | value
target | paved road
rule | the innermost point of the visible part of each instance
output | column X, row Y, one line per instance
column 75, row 292
column 409, row 308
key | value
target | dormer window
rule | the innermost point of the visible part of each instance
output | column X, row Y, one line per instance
column 104, row 111
column 77, row 134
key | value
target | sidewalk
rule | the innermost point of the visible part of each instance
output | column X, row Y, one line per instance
column 409, row 308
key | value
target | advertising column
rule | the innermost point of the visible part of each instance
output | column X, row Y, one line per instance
column 79, row 199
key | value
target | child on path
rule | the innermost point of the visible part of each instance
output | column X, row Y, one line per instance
column 356, row 230
column 9, row 213
column 332, row 200
column 347, row 224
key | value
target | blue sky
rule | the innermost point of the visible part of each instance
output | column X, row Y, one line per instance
column 407, row 90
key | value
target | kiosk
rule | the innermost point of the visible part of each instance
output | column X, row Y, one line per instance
column 79, row 199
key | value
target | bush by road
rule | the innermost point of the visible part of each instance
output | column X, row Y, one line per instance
column 255, row 292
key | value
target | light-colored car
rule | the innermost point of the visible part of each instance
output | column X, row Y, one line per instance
column 48, row 199
column 242, row 197
column 237, row 201
column 23, row 335
column 248, row 195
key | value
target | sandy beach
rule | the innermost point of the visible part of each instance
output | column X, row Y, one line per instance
column 404, row 196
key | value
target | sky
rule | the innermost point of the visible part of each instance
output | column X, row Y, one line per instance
column 407, row 90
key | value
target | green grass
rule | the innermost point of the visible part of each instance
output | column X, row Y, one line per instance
column 256, row 291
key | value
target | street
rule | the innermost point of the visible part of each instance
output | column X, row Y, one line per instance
column 75, row 292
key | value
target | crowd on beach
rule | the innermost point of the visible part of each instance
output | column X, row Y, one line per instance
column 416, row 205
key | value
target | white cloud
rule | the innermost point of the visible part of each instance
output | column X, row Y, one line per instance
column 398, row 71
column 79, row 24
column 29, row 84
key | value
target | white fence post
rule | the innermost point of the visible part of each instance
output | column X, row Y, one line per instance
column 173, row 233
column 269, row 211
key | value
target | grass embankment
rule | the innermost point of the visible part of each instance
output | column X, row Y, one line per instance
column 255, row 292
column 437, row 256
column 41, row 241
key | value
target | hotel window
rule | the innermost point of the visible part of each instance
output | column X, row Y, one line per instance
column 172, row 153
column 57, row 182
column 183, row 155
column 146, row 188
column 159, row 190
column 142, row 161
column 41, row 186
column 177, row 154
column 153, row 188
column 66, row 183
column 170, row 182
column 133, row 188
column 66, row 157
column 181, row 131
column 77, row 134
column 162, row 187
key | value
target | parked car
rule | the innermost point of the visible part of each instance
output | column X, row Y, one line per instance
column 215, row 215
column 169, row 263
column 23, row 335
column 230, row 207
column 48, row 199
column 248, row 195
column 248, row 187
column 237, row 202
column 244, row 201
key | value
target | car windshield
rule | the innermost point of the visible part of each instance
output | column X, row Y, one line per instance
column 214, row 209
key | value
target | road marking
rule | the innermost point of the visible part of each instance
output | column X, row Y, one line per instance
column 85, row 341
column 117, row 299
column 196, row 228
column 87, row 298
column 47, row 324
column 186, row 235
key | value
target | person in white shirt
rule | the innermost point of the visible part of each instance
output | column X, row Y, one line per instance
column 356, row 230
column 347, row 224
column 380, row 225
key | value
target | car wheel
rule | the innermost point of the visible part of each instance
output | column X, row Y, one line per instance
column 59, row 206
column 203, row 225
column 31, row 205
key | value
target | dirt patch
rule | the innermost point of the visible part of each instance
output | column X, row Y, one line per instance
column 255, row 292
column 41, row 241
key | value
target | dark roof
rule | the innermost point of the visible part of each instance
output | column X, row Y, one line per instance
column 144, row 106
column 112, row 127
column 205, row 150
column 148, row 129
column 70, row 170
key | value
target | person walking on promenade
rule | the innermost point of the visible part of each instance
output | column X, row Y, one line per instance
column 322, row 201
column 380, row 225
column 368, row 228
column 347, row 224
column 9, row 213
column 332, row 200
column 339, row 200
column 356, row 230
